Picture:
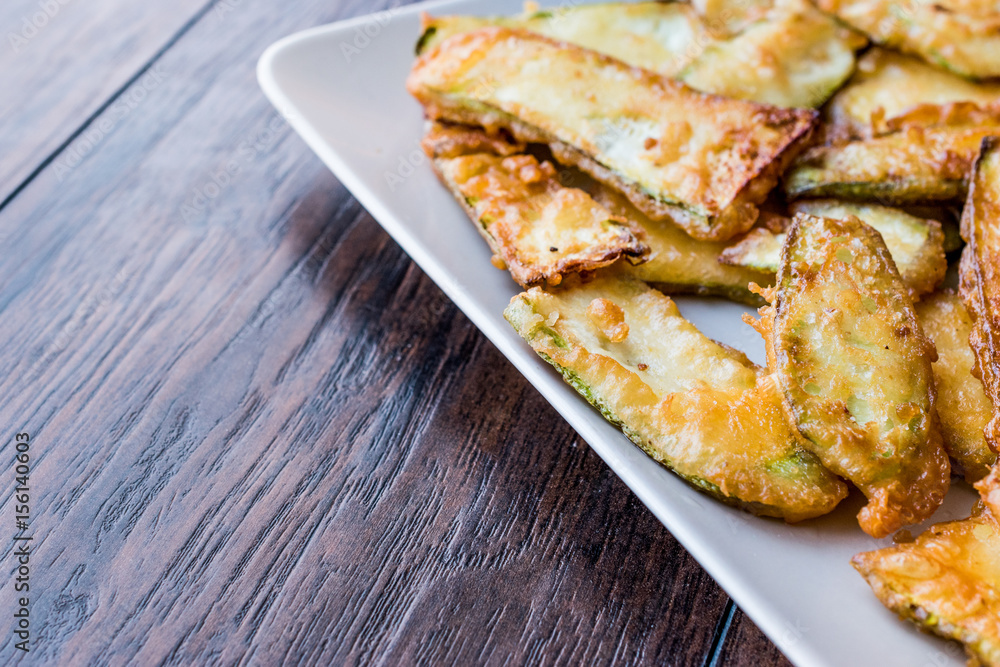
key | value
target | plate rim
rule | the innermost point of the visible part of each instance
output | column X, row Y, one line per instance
column 538, row 374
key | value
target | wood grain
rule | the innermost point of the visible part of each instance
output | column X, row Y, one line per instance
column 62, row 61
column 261, row 435
column 745, row 644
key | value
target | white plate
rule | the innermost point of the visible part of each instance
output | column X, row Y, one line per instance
column 341, row 87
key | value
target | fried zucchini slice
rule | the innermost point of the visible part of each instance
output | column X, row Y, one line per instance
column 699, row 408
column 537, row 228
column 979, row 274
column 662, row 37
column 679, row 264
column 947, row 582
column 796, row 56
column 962, row 405
column 789, row 54
column 962, row 36
column 760, row 250
column 914, row 166
column 916, row 244
column 888, row 85
column 855, row 369
column 677, row 154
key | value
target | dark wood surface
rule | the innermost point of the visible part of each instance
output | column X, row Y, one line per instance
column 259, row 434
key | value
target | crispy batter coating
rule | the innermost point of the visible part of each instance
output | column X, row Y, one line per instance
column 989, row 489
column 699, row 408
column 662, row 37
column 785, row 53
column 703, row 161
column 855, row 369
column 916, row 244
column 538, row 229
column 793, row 56
column 946, row 582
column 962, row 36
column 912, row 166
column 961, row 402
column 888, row 85
column 679, row 264
column 979, row 275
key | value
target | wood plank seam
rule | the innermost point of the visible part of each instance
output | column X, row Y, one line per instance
column 721, row 631
column 99, row 111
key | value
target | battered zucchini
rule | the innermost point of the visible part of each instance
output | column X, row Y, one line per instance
column 855, row 369
column 700, row 160
column 679, row 264
column 887, row 85
column 946, row 582
column 796, row 56
column 537, row 228
column 914, row 166
column 961, row 403
column 962, row 36
column 699, row 408
column 789, row 55
column 979, row 274
column 662, row 37
column 916, row 244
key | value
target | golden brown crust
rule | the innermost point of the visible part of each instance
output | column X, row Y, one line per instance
column 962, row 404
column 946, row 582
column 890, row 91
column 989, row 490
column 979, row 274
column 699, row 408
column 962, row 36
column 913, row 166
column 445, row 140
column 855, row 369
column 540, row 230
column 701, row 160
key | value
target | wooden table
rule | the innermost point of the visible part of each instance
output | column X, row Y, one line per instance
column 258, row 433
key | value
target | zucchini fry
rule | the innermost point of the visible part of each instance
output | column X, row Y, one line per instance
column 979, row 275
column 916, row 244
column 795, row 56
column 679, row 264
column 699, row 408
column 855, row 369
column 962, row 405
column 946, row 582
column 538, row 229
column 888, row 85
column 962, row 36
column 702, row 161
column 913, row 166
column 662, row 37
column 789, row 54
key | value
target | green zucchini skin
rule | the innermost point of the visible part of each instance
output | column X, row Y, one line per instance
column 699, row 408
column 855, row 369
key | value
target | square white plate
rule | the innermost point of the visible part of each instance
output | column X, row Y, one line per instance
column 341, row 87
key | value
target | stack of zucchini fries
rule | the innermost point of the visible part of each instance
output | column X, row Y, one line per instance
column 821, row 161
